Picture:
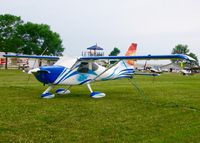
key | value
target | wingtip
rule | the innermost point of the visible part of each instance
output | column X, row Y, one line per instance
column 186, row 57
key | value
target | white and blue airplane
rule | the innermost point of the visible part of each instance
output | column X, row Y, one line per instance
column 85, row 70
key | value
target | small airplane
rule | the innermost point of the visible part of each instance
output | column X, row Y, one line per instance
column 186, row 72
column 150, row 69
column 153, row 70
column 86, row 70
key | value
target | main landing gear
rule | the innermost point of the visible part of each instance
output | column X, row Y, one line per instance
column 95, row 94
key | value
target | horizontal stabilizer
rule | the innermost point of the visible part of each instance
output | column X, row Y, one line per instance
column 147, row 74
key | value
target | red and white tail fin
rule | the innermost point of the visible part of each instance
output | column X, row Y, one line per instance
column 131, row 51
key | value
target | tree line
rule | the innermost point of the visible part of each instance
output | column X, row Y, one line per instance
column 22, row 37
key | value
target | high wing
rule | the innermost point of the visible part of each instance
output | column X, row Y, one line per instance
column 148, row 57
column 31, row 56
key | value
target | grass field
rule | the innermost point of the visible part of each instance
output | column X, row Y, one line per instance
column 165, row 110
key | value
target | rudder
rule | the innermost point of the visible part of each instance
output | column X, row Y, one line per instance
column 131, row 51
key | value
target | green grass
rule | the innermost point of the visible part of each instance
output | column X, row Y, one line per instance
column 165, row 110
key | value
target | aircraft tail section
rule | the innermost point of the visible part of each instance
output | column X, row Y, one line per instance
column 125, row 68
column 131, row 51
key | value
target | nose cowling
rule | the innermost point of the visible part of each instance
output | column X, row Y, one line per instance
column 48, row 74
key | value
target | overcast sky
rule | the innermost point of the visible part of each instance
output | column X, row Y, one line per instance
column 156, row 25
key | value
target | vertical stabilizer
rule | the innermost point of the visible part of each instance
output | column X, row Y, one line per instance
column 131, row 51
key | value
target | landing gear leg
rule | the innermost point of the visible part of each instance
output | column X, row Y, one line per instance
column 46, row 94
column 89, row 87
column 95, row 94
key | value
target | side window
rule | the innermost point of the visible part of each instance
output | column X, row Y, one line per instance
column 83, row 68
column 94, row 66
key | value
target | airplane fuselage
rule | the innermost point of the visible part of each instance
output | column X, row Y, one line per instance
column 82, row 73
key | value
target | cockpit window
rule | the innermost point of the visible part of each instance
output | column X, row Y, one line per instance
column 83, row 68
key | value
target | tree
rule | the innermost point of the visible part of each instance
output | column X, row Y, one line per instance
column 180, row 49
column 38, row 39
column 114, row 52
column 183, row 49
column 28, row 38
column 194, row 57
column 8, row 28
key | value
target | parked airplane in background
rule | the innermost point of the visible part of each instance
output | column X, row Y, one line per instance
column 85, row 70
column 153, row 70
column 186, row 72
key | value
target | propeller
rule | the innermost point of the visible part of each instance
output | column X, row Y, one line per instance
column 29, row 71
